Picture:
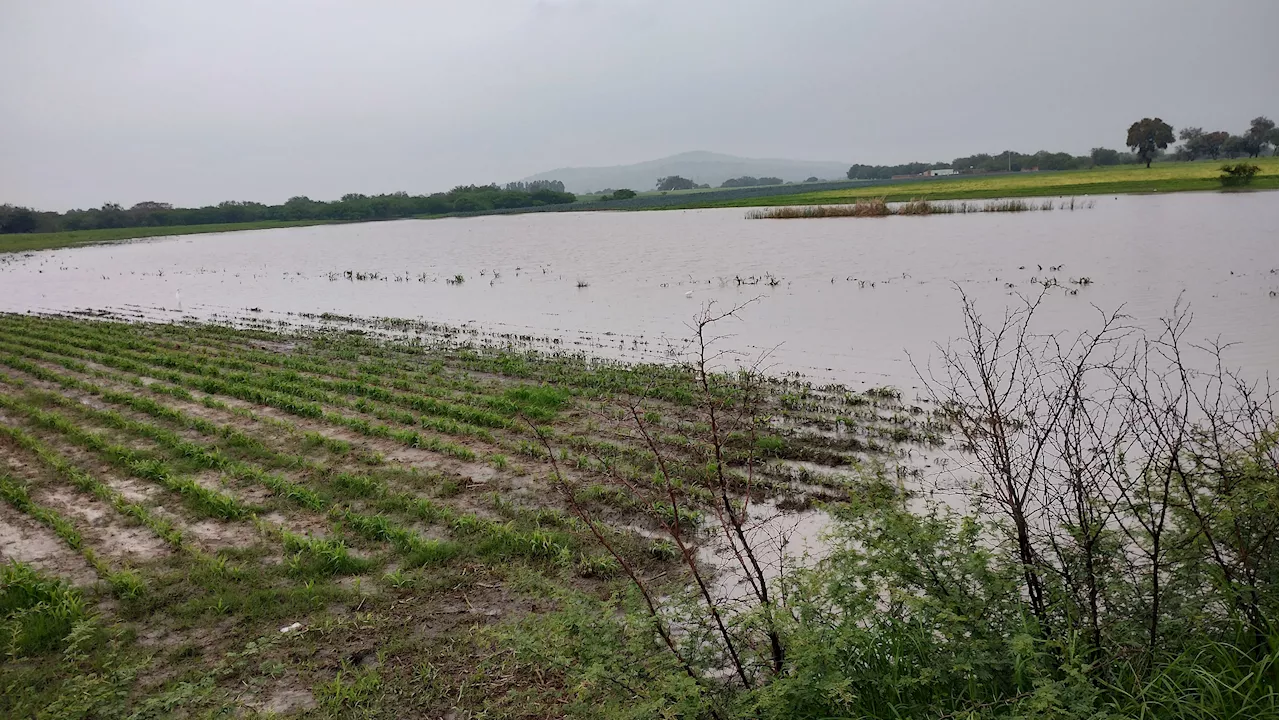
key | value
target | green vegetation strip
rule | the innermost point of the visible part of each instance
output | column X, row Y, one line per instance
column 297, row 396
column 138, row 464
column 498, row 538
column 85, row 482
column 72, row 238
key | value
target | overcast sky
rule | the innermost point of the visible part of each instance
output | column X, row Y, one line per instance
column 196, row 102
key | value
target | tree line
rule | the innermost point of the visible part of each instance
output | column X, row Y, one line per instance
column 1148, row 137
column 979, row 163
column 1147, row 140
column 1196, row 143
column 353, row 206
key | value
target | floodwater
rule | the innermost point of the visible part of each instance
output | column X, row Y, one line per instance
column 854, row 297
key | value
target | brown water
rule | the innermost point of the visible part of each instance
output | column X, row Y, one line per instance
column 853, row 296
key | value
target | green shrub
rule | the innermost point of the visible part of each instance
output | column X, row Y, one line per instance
column 537, row 402
column 1240, row 173
column 771, row 446
column 321, row 557
column 431, row 552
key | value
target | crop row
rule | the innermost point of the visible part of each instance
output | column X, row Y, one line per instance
column 309, row 556
column 86, row 483
column 290, row 381
column 138, row 464
column 252, row 394
column 124, row 582
column 604, row 457
column 495, row 537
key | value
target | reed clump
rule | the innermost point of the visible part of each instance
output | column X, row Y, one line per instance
column 878, row 207
column 872, row 207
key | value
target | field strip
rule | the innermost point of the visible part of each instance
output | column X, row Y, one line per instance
column 33, row 535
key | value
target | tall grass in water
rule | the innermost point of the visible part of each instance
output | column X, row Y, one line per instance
column 879, row 208
column 872, row 207
column 919, row 207
column 1016, row 205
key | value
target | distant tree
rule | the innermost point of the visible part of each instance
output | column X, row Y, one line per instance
column 1191, row 140
column 299, row 207
column 623, row 194
column 1235, row 146
column 535, row 185
column 147, row 206
column 749, row 181
column 467, row 204
column 510, row 199
column 884, row 172
column 17, row 219
column 812, row 178
column 1046, row 160
column 1101, row 156
column 675, row 182
column 1148, row 135
column 1261, row 131
column 547, row 196
column 112, row 215
column 1211, row 143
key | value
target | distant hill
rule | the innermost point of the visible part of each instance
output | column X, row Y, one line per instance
column 699, row 166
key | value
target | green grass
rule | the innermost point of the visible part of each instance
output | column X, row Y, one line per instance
column 36, row 612
column 71, row 238
column 1161, row 177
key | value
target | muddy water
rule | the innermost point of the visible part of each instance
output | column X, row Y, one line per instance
column 853, row 296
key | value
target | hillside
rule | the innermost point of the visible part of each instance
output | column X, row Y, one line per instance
column 699, row 166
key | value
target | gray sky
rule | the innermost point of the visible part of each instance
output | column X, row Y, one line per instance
column 193, row 103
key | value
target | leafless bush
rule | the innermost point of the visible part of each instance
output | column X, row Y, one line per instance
column 742, row 632
column 1132, row 472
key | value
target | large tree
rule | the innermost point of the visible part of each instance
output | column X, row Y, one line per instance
column 1104, row 156
column 1148, row 135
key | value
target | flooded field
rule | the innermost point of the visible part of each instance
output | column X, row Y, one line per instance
column 844, row 299
column 318, row 491
column 352, row 449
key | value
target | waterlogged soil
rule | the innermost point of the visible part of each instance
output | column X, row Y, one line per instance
column 24, row 540
column 405, row 528
column 853, row 299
